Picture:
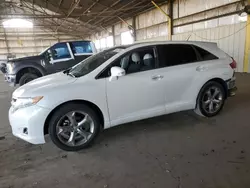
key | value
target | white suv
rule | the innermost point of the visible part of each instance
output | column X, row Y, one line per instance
column 120, row 85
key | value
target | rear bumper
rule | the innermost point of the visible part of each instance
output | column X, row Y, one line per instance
column 231, row 85
column 232, row 92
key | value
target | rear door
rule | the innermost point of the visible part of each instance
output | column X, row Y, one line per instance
column 178, row 64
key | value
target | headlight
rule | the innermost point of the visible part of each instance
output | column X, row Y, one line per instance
column 24, row 102
column 10, row 67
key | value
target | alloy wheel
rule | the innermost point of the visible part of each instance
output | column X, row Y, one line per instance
column 75, row 128
column 212, row 99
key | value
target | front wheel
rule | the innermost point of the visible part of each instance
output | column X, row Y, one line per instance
column 74, row 127
column 211, row 99
column 27, row 78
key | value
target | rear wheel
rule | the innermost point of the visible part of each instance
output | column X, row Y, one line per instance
column 211, row 99
column 27, row 77
column 74, row 127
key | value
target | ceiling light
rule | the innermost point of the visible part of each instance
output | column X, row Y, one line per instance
column 17, row 23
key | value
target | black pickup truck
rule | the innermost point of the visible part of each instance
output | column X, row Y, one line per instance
column 58, row 57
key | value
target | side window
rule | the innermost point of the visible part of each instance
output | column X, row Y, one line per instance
column 176, row 54
column 205, row 55
column 136, row 61
column 81, row 47
column 60, row 51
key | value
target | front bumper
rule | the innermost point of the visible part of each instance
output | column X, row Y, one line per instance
column 11, row 79
column 28, row 123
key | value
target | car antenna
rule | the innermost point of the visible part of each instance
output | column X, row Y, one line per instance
column 189, row 37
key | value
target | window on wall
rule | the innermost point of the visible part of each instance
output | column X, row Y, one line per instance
column 127, row 38
column 103, row 43
column 110, row 41
column 97, row 44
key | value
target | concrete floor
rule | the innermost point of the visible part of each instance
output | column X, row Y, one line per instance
column 179, row 150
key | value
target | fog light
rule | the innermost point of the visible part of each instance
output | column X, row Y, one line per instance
column 25, row 131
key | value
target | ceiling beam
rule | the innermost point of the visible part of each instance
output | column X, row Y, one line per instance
column 59, row 6
column 117, row 11
column 69, row 13
column 115, row 3
column 85, row 26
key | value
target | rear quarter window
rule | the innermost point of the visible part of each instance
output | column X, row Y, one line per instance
column 204, row 54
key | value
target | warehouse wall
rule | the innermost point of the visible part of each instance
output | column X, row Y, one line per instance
column 26, row 42
column 198, row 20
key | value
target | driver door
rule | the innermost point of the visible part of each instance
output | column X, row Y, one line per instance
column 140, row 93
column 61, row 58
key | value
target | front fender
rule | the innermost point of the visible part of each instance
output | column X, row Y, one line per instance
column 21, row 66
column 90, row 91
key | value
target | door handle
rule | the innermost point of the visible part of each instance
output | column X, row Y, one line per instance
column 157, row 77
column 201, row 68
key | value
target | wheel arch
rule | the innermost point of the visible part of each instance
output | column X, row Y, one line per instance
column 24, row 70
column 88, row 103
column 218, row 80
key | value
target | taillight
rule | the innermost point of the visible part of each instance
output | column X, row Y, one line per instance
column 233, row 65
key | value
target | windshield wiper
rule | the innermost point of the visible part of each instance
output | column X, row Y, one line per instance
column 68, row 73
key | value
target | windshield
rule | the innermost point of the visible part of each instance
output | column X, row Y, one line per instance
column 43, row 51
column 91, row 63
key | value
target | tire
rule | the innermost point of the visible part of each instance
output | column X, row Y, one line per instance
column 60, row 133
column 206, row 102
column 27, row 77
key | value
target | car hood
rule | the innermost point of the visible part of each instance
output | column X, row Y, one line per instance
column 25, row 59
column 43, row 85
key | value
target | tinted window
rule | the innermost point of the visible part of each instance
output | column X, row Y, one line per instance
column 136, row 61
column 205, row 55
column 60, row 51
column 176, row 54
column 81, row 47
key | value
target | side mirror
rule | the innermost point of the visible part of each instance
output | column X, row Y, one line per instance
column 48, row 55
column 116, row 72
column 54, row 53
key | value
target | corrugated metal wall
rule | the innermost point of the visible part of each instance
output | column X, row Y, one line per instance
column 26, row 42
column 219, row 26
column 152, row 25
